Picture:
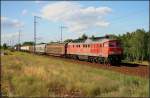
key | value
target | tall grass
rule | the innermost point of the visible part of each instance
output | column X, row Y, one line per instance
column 25, row 74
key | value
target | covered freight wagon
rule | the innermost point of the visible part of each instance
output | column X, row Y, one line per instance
column 56, row 49
column 31, row 48
column 24, row 48
column 40, row 48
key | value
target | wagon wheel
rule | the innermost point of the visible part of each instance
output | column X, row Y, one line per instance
column 89, row 59
column 100, row 60
column 96, row 60
column 106, row 62
column 92, row 60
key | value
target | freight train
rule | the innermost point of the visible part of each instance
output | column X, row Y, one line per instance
column 99, row 50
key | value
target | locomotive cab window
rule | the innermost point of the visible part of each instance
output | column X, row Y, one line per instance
column 118, row 44
column 112, row 44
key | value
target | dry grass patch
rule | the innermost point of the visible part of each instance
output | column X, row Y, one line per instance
column 33, row 75
column 34, row 71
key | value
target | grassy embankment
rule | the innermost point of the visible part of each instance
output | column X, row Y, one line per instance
column 26, row 74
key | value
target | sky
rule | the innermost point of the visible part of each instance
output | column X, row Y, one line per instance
column 96, row 18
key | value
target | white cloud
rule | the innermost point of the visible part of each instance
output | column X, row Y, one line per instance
column 9, row 35
column 76, row 17
column 3, row 18
column 24, row 12
column 12, row 23
column 38, row 2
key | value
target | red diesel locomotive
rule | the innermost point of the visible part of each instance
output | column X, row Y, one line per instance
column 101, row 51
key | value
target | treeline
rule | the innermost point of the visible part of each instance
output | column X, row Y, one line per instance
column 136, row 45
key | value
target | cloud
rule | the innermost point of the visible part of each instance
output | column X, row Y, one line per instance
column 77, row 18
column 3, row 18
column 10, row 38
column 11, row 23
column 10, row 35
column 38, row 2
column 24, row 12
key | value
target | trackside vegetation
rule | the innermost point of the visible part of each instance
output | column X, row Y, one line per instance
column 25, row 74
column 136, row 45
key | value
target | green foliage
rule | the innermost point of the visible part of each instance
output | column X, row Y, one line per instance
column 92, row 37
column 136, row 45
column 84, row 36
column 28, row 43
column 5, row 46
column 68, row 40
column 147, row 42
column 41, row 43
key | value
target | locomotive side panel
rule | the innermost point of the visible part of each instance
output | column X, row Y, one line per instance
column 83, row 49
column 78, row 49
column 105, row 49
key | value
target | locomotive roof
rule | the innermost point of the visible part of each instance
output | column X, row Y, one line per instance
column 56, row 43
column 95, row 40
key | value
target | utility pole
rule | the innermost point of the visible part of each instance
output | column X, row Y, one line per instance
column 35, row 17
column 13, row 40
column 19, row 37
column 61, row 27
column 34, row 32
column 18, row 47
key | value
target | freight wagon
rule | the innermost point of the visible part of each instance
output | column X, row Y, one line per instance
column 24, row 48
column 31, row 48
column 57, row 49
column 40, row 48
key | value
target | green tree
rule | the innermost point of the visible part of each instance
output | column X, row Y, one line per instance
column 28, row 43
column 84, row 36
column 5, row 46
column 148, row 46
column 92, row 37
column 135, row 44
column 68, row 40
column 139, row 43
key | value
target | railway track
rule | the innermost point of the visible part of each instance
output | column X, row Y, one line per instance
column 123, row 68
